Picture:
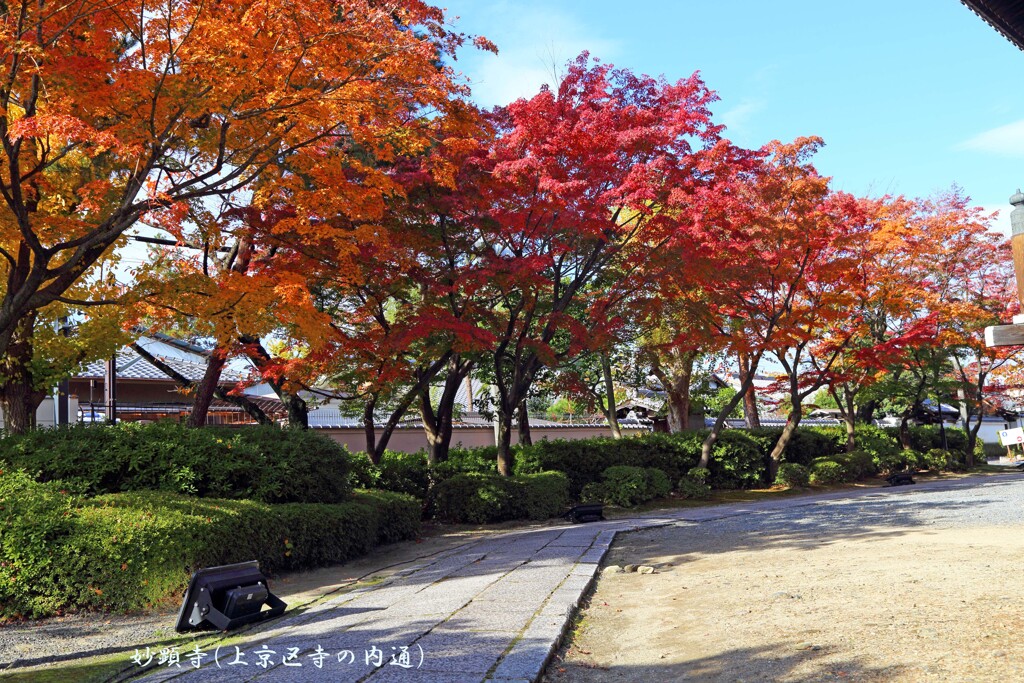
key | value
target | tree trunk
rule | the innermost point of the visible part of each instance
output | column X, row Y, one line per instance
column 709, row 442
column 775, row 458
column 19, row 397
column 251, row 409
column 866, row 412
column 298, row 411
column 524, row 424
column 677, row 389
column 438, row 425
column 204, row 391
column 905, row 430
column 750, row 414
column 505, row 443
column 370, row 430
column 609, row 392
column 851, row 426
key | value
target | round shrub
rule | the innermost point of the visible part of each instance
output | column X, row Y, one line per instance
column 624, row 485
column 792, row 475
column 693, row 487
column 481, row 498
column 856, row 464
column 827, row 471
column 542, row 495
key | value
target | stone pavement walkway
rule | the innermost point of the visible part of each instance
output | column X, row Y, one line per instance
column 492, row 610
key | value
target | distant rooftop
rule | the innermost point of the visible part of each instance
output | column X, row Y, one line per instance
column 132, row 366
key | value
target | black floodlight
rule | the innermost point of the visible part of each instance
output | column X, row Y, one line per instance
column 590, row 512
column 227, row 597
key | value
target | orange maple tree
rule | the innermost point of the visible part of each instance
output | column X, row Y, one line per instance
column 115, row 111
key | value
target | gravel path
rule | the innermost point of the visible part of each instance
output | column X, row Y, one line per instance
column 915, row 583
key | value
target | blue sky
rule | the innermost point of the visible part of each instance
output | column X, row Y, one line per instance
column 910, row 96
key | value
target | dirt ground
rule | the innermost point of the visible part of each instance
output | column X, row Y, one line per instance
column 891, row 604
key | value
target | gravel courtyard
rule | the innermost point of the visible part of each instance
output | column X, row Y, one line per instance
column 903, row 585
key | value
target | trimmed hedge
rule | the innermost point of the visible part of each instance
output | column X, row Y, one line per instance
column 128, row 551
column 476, row 498
column 268, row 464
column 626, row 486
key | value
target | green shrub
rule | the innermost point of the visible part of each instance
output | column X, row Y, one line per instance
column 542, row 495
column 857, row 464
column 131, row 550
column 807, row 444
column 475, row 498
column 924, row 438
column 624, row 485
column 658, row 484
column 584, row 460
column 736, row 462
column 404, row 473
column 827, row 471
column 482, row 460
column 938, row 459
column 692, row 485
column 765, row 438
column 792, row 475
column 699, row 474
column 263, row 463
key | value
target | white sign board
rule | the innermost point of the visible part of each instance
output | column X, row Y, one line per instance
column 1008, row 437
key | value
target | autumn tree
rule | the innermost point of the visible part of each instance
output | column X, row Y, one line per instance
column 761, row 254
column 591, row 175
column 112, row 112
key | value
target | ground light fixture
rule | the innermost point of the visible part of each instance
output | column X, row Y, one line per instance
column 227, row 597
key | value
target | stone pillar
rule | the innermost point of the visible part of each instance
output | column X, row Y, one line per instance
column 1017, row 243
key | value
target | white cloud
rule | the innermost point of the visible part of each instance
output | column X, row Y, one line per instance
column 737, row 119
column 1005, row 140
column 534, row 43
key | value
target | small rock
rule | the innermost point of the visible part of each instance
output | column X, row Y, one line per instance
column 645, row 569
column 613, row 569
column 808, row 646
column 630, row 568
column 784, row 594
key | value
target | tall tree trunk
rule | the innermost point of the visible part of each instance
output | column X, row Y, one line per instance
column 792, row 422
column 972, row 442
column 438, row 424
column 505, row 443
column 609, row 392
column 750, row 413
column 905, row 429
column 712, row 437
column 204, row 391
column 370, row 430
column 18, row 395
column 677, row 389
column 524, row 424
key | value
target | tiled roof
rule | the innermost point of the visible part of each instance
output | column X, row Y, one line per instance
column 132, row 366
column 1005, row 16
